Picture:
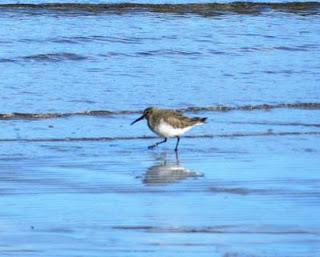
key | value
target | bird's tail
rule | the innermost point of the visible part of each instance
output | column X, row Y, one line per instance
column 199, row 120
column 203, row 120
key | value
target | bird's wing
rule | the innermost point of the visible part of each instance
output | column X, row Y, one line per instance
column 178, row 120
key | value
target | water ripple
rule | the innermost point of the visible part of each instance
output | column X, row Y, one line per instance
column 227, row 229
column 125, row 138
column 54, row 57
column 194, row 109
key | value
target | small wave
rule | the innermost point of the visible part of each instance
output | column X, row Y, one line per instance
column 50, row 57
column 84, row 39
column 40, row 116
column 222, row 108
column 54, row 57
column 243, row 191
column 168, row 53
column 222, row 229
column 105, row 139
column 205, row 9
column 6, row 60
column 299, row 124
column 217, row 108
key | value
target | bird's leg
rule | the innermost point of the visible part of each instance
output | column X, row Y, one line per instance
column 177, row 158
column 156, row 144
column 178, row 140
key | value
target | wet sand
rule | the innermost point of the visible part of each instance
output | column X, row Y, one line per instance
column 248, row 195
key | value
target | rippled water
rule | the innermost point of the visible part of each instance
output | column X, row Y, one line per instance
column 77, row 180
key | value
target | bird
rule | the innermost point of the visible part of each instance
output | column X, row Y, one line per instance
column 168, row 123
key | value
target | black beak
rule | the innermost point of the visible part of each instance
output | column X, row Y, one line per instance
column 140, row 118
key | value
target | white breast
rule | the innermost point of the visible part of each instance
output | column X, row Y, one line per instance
column 164, row 129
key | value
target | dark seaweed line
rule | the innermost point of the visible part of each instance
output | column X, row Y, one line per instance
column 202, row 8
column 127, row 189
column 38, row 116
column 278, row 123
column 103, row 139
column 217, row 108
column 228, row 229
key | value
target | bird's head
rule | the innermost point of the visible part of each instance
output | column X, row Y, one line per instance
column 146, row 114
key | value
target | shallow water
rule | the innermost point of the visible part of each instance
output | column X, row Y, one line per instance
column 77, row 180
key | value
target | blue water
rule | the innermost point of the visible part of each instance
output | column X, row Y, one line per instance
column 77, row 180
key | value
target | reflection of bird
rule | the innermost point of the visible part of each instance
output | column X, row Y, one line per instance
column 165, row 173
column 167, row 123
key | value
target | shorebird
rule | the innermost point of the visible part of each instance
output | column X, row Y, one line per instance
column 168, row 123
